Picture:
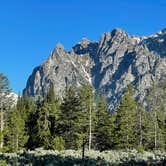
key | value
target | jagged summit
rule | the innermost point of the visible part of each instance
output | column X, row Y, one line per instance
column 59, row 49
column 109, row 64
column 118, row 31
column 59, row 46
column 113, row 34
column 84, row 42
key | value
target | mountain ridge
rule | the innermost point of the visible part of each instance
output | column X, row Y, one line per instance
column 109, row 64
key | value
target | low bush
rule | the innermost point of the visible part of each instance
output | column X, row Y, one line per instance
column 73, row 158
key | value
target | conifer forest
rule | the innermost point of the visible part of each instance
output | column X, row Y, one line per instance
column 81, row 123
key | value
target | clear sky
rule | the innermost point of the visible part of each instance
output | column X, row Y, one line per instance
column 30, row 29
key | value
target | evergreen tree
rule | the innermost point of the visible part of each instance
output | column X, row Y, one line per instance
column 25, row 105
column 54, row 110
column 71, row 120
column 43, row 121
column 124, row 133
column 16, row 131
column 103, row 126
column 32, row 124
column 43, row 134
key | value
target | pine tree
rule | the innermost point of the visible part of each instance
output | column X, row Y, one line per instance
column 43, row 121
column 32, row 124
column 43, row 134
column 124, row 135
column 71, row 120
column 25, row 105
column 103, row 126
column 147, row 131
column 17, row 137
column 54, row 110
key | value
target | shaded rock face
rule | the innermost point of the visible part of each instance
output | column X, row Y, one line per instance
column 110, row 64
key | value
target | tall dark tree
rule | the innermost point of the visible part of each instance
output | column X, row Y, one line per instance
column 43, row 134
column 102, row 126
column 43, row 121
column 32, row 124
column 17, row 137
column 71, row 120
column 54, row 109
column 124, row 134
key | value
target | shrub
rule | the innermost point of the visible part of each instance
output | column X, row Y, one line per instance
column 58, row 143
column 3, row 163
column 140, row 149
column 74, row 158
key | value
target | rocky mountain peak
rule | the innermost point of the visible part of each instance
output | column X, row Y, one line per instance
column 105, row 37
column 118, row 31
column 115, row 36
column 57, row 53
column 109, row 64
column 59, row 49
column 84, row 42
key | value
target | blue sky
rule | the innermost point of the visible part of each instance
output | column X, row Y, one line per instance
column 30, row 29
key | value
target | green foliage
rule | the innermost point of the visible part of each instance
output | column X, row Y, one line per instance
column 5, row 105
column 103, row 126
column 70, row 124
column 156, row 101
column 79, row 118
column 87, row 99
column 16, row 135
column 140, row 149
column 142, row 127
column 58, row 143
column 3, row 163
column 92, row 158
column 43, row 134
column 32, row 123
column 42, row 122
column 124, row 124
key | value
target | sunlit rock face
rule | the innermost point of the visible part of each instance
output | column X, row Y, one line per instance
column 109, row 64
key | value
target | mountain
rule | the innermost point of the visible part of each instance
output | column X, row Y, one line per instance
column 13, row 97
column 10, row 98
column 109, row 64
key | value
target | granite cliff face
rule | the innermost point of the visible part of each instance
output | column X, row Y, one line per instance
column 110, row 64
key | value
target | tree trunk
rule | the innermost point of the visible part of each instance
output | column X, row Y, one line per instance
column 83, row 151
column 140, row 115
column 90, row 126
column 16, row 142
column 140, row 127
column 127, row 138
column 155, row 132
column 2, row 126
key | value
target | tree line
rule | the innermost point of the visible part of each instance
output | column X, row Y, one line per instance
column 82, row 118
